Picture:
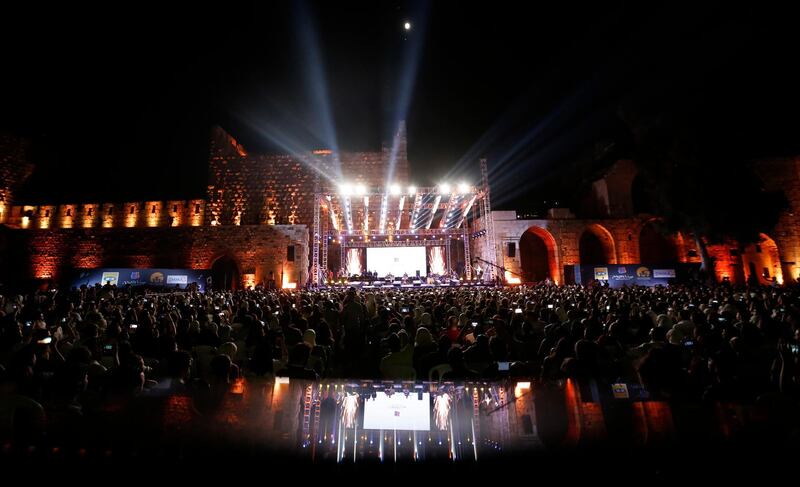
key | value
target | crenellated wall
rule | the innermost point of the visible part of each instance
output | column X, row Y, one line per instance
column 258, row 204
column 256, row 249
column 132, row 214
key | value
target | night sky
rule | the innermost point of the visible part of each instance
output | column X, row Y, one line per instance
column 121, row 108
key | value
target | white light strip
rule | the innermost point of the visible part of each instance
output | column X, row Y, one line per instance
column 415, row 213
column 433, row 210
column 348, row 215
column 466, row 210
column 384, row 210
column 399, row 222
column 451, row 203
column 333, row 215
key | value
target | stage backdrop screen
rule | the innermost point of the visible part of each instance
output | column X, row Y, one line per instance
column 398, row 412
column 397, row 261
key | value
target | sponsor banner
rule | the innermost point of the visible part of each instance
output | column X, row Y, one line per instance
column 620, row 391
column 111, row 278
column 619, row 275
column 178, row 279
column 172, row 278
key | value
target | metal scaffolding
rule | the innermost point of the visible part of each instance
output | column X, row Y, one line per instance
column 355, row 227
column 488, row 220
column 467, row 258
column 315, row 271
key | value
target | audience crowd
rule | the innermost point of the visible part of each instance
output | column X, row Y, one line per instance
column 67, row 355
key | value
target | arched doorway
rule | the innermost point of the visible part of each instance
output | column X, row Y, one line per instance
column 655, row 247
column 596, row 246
column 762, row 262
column 537, row 255
column 225, row 274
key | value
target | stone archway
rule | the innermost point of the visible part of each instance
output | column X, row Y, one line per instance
column 537, row 252
column 596, row 246
column 225, row 274
column 762, row 261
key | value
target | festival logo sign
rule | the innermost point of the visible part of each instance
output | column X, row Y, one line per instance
column 643, row 272
column 620, row 391
column 135, row 275
column 177, row 280
column 110, row 278
column 157, row 278
column 663, row 273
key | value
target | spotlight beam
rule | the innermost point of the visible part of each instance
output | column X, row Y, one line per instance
column 410, row 64
column 399, row 222
column 414, row 214
column 315, row 79
column 292, row 147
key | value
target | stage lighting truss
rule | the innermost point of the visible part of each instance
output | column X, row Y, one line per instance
column 400, row 216
column 443, row 207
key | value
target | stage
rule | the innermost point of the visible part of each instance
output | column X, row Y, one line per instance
column 411, row 284
column 405, row 231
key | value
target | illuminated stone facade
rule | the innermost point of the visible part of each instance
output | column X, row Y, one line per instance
column 625, row 237
column 258, row 205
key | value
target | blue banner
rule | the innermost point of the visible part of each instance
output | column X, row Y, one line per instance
column 619, row 275
column 120, row 277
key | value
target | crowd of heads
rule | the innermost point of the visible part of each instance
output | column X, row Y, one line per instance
column 693, row 342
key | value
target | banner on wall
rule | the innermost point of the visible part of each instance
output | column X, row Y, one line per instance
column 618, row 275
column 167, row 278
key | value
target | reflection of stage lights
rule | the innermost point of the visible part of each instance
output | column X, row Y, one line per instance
column 349, row 409
column 521, row 386
column 441, row 410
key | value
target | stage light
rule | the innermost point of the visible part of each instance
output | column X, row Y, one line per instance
column 345, row 189
column 395, row 189
column 521, row 386
column 407, row 26
column 412, row 190
column 444, row 188
column 361, row 189
column 463, row 188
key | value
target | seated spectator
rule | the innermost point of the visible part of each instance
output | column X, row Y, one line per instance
column 297, row 368
column 459, row 369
